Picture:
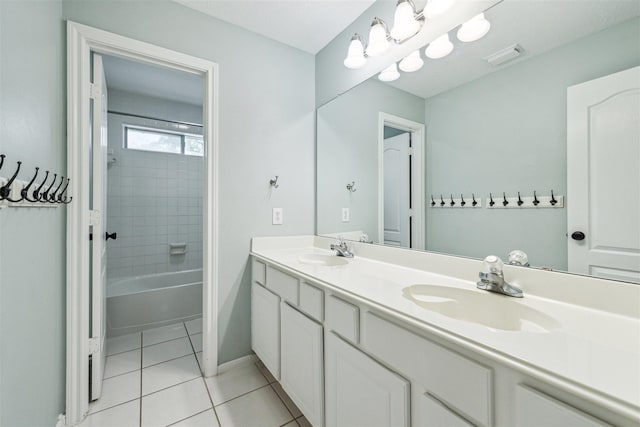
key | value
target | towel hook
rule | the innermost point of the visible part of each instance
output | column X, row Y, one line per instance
column 45, row 196
column 2, row 156
column 491, row 202
column 452, row 204
column 274, row 182
column 36, row 192
column 64, row 190
column 462, row 202
column 520, row 202
column 505, row 202
column 553, row 200
column 536, row 202
column 441, row 201
column 52, row 197
column 25, row 191
column 5, row 190
column 433, row 202
column 352, row 187
column 473, row 196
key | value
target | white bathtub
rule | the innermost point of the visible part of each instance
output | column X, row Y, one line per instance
column 144, row 302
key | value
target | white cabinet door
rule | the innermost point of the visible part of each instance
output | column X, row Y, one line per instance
column 433, row 413
column 603, row 177
column 534, row 409
column 265, row 327
column 360, row 391
column 302, row 363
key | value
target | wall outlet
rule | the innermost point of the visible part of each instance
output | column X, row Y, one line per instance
column 276, row 216
column 345, row 215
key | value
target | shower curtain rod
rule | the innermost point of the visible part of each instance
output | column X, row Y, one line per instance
column 139, row 116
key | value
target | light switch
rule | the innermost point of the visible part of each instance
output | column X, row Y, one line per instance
column 276, row 216
column 345, row 215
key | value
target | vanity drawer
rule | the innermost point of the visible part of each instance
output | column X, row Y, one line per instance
column 343, row 318
column 258, row 271
column 312, row 301
column 282, row 284
column 459, row 382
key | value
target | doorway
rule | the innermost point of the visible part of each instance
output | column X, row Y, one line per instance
column 82, row 42
column 401, row 182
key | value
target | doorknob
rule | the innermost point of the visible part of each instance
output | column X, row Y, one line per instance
column 577, row 235
column 108, row 236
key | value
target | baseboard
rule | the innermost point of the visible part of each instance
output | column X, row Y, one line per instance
column 241, row 361
column 62, row 421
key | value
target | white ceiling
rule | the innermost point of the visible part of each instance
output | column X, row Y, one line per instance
column 537, row 25
column 308, row 25
column 135, row 77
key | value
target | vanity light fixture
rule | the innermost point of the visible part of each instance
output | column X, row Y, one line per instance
column 378, row 38
column 389, row 74
column 439, row 48
column 411, row 62
column 405, row 21
column 437, row 7
column 355, row 55
column 474, row 29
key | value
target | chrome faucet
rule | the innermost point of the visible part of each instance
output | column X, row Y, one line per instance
column 492, row 278
column 342, row 249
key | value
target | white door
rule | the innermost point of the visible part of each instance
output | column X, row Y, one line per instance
column 396, row 190
column 603, row 176
column 98, row 222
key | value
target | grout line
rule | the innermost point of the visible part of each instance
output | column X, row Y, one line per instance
column 119, row 375
column 111, row 407
column 123, row 352
column 244, row 394
column 162, row 342
column 190, row 416
column 211, row 400
column 170, row 360
column 172, row 385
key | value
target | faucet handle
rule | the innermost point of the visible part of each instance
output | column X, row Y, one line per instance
column 492, row 264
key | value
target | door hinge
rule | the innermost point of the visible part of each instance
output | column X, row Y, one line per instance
column 94, row 91
column 94, row 345
column 411, row 213
column 94, row 217
column 411, row 151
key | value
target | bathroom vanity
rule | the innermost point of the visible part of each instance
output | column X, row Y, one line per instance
column 395, row 337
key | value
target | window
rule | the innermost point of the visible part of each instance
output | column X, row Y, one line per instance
column 145, row 139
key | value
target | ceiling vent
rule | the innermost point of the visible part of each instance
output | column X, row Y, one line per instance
column 504, row 55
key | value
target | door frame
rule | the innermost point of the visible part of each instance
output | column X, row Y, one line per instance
column 417, row 177
column 81, row 41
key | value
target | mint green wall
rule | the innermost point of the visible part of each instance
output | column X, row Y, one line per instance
column 348, row 151
column 266, row 118
column 32, row 241
column 507, row 132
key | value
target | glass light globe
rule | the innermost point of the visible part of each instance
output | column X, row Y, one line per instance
column 378, row 43
column 355, row 54
column 439, row 48
column 474, row 29
column 404, row 21
column 389, row 74
column 437, row 7
column 412, row 62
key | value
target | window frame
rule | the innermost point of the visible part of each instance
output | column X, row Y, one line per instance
column 182, row 135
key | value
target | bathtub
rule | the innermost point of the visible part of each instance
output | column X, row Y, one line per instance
column 144, row 302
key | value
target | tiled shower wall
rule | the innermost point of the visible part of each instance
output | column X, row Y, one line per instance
column 154, row 199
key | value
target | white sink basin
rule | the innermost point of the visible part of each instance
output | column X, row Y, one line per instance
column 320, row 259
column 492, row 310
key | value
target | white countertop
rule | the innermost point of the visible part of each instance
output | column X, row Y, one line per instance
column 593, row 353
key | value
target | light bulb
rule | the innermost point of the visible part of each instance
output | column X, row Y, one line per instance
column 439, row 48
column 437, row 7
column 474, row 29
column 404, row 21
column 355, row 55
column 389, row 74
column 378, row 43
column 412, row 62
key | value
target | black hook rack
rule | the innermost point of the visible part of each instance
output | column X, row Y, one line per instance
column 462, row 202
column 520, row 202
column 52, row 195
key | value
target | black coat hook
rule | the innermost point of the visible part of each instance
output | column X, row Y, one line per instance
column 553, row 200
column 64, row 190
column 52, row 197
column 5, row 190
column 433, row 202
column 25, row 191
column 491, row 202
column 505, row 202
column 45, row 196
column 462, row 202
column 36, row 192
column 441, row 201
column 452, row 204
column 2, row 156
column 473, row 196
column 520, row 202
column 536, row 202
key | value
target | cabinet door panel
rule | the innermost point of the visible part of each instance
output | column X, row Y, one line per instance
column 265, row 327
column 433, row 413
column 360, row 391
column 302, row 363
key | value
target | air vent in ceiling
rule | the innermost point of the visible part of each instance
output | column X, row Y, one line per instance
column 504, row 55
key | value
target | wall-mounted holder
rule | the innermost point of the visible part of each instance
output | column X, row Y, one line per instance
column 451, row 202
column 525, row 202
column 274, row 182
column 178, row 248
column 21, row 194
column 352, row 187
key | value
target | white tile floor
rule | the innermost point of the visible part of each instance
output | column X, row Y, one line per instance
column 153, row 379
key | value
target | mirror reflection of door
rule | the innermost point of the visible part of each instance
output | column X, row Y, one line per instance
column 397, row 187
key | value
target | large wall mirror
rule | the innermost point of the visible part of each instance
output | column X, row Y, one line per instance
column 462, row 128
